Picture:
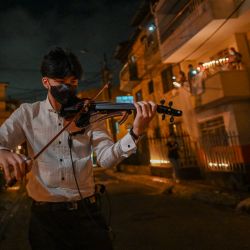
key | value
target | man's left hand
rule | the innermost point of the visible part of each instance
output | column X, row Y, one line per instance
column 145, row 111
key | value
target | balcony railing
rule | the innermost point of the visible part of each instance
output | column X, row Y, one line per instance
column 225, row 86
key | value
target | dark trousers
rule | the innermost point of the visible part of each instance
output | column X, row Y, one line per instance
column 56, row 228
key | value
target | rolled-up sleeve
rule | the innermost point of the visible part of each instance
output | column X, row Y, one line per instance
column 11, row 131
column 108, row 153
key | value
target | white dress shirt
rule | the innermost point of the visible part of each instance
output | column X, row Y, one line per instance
column 51, row 177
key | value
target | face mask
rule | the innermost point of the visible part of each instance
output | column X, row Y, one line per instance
column 64, row 94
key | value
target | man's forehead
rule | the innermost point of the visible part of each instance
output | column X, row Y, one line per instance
column 67, row 78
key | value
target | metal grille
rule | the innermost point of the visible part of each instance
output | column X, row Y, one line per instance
column 187, row 150
column 221, row 152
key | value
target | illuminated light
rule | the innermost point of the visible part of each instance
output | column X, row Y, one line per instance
column 157, row 179
column 159, row 161
column 173, row 77
column 213, row 63
column 176, row 84
column 19, row 147
column 214, row 164
column 14, row 188
column 124, row 99
column 151, row 27
column 198, row 68
column 194, row 72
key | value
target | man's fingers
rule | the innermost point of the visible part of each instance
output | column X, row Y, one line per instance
column 153, row 106
column 138, row 109
column 19, row 167
column 17, row 172
column 6, row 171
column 145, row 109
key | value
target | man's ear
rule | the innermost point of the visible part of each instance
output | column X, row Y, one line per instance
column 45, row 82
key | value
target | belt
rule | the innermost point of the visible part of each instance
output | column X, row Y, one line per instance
column 68, row 205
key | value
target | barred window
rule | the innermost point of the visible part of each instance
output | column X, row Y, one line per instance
column 166, row 76
column 213, row 132
column 151, row 87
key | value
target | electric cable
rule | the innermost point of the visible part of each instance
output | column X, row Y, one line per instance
column 107, row 227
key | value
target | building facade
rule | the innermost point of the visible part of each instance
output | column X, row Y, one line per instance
column 200, row 60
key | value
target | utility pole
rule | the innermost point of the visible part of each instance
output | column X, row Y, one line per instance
column 107, row 95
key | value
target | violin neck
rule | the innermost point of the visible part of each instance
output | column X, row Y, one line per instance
column 114, row 106
column 108, row 107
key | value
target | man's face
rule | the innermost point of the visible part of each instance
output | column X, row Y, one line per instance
column 59, row 86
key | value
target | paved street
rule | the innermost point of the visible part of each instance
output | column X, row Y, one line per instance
column 142, row 218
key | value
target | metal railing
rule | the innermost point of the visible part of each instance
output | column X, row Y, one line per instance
column 187, row 150
column 193, row 6
column 221, row 152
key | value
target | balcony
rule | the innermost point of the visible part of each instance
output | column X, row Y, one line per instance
column 184, row 27
column 223, row 87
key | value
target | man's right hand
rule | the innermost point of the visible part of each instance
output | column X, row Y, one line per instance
column 14, row 165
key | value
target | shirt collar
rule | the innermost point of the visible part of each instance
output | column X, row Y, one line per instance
column 49, row 107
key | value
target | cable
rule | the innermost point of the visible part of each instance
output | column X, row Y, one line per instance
column 70, row 143
column 107, row 227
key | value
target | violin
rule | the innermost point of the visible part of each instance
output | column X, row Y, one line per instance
column 88, row 108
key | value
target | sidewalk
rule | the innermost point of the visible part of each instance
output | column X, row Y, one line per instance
column 192, row 189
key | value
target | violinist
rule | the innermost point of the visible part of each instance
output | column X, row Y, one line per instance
column 64, row 212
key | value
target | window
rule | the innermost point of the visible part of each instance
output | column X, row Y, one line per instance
column 151, row 87
column 166, row 77
column 213, row 132
column 138, row 96
column 133, row 70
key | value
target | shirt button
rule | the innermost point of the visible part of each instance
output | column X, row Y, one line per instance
column 128, row 146
column 61, row 160
column 59, row 124
column 62, row 178
column 60, row 142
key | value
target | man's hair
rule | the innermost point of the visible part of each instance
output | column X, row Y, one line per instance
column 61, row 63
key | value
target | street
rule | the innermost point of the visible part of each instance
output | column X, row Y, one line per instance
column 143, row 219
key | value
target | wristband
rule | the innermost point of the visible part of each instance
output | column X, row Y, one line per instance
column 134, row 136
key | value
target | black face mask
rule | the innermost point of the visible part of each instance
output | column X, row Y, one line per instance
column 64, row 94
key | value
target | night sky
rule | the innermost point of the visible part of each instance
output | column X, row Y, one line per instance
column 29, row 28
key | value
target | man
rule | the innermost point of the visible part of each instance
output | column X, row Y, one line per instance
column 64, row 213
column 173, row 156
column 191, row 74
